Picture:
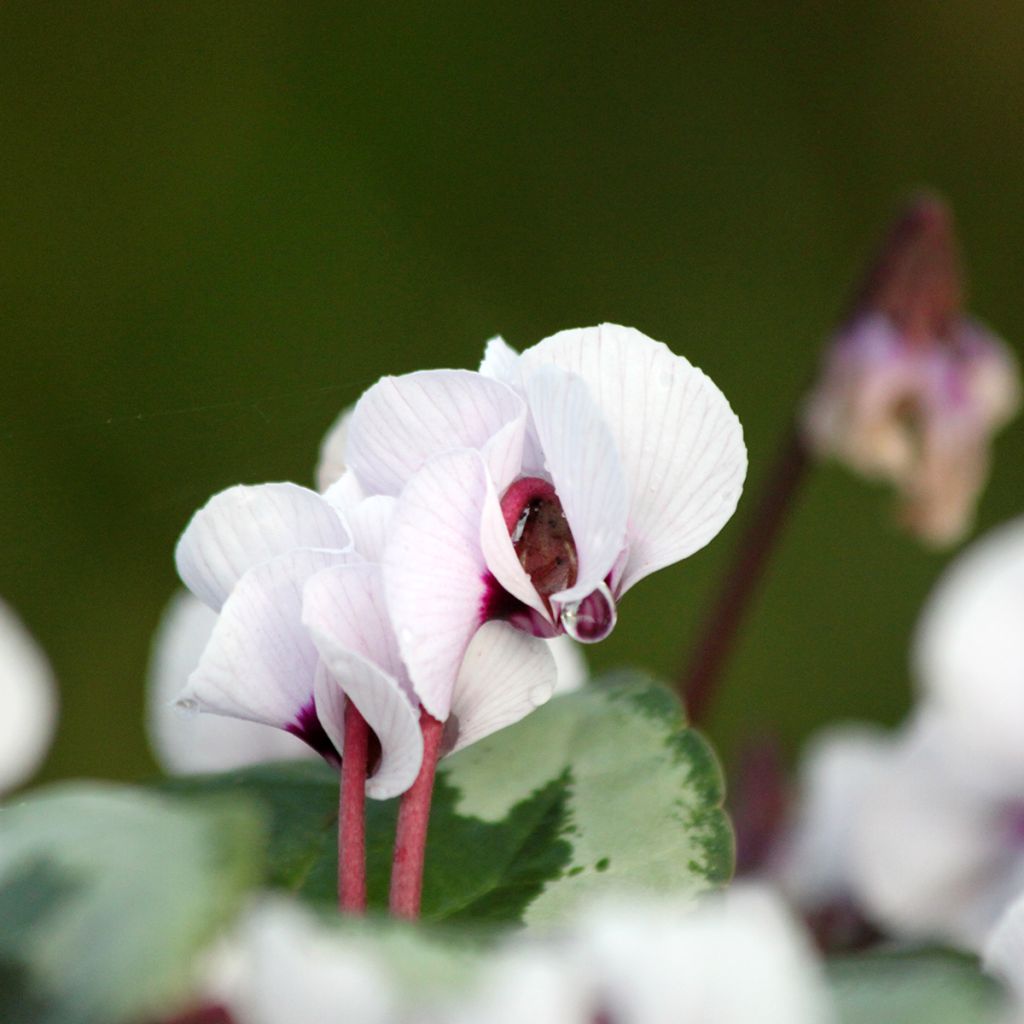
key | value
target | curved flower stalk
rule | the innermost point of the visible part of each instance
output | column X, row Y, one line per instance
column 541, row 489
column 28, row 702
column 303, row 629
column 911, row 389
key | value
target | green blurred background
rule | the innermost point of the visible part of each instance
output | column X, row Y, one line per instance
column 222, row 221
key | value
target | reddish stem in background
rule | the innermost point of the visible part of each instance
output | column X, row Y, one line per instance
column 703, row 674
column 352, row 814
column 411, row 833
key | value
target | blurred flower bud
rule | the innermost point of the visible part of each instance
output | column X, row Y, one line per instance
column 912, row 390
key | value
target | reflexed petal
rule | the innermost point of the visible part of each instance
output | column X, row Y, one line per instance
column 245, row 526
column 839, row 768
column 680, row 444
column 260, row 663
column 369, row 522
column 386, row 709
column 28, row 702
column 331, row 463
column 929, row 858
column 570, row 664
column 581, row 456
column 182, row 742
column 401, row 422
column 435, row 576
column 969, row 647
column 506, row 674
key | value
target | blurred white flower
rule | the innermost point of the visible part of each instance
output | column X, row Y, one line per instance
column 28, row 702
column 969, row 645
column 911, row 390
column 736, row 958
column 184, row 742
column 839, row 767
column 1003, row 953
column 281, row 966
column 937, row 851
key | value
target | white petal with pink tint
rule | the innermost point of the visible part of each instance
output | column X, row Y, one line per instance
column 261, row 662
column 402, row 422
column 185, row 743
column 506, row 674
column 345, row 493
column 245, row 526
column 435, row 576
column 680, row 443
column 386, row 709
column 582, row 459
column 369, row 523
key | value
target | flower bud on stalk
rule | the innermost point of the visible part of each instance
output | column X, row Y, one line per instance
column 911, row 389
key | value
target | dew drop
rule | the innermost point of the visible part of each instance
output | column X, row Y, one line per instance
column 187, row 704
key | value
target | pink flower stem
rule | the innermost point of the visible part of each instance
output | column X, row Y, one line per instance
column 411, row 833
column 352, row 814
column 702, row 677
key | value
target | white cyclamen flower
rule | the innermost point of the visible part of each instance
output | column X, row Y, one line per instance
column 303, row 627
column 28, row 702
column 539, row 490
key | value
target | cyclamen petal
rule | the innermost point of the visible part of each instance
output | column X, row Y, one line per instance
column 185, row 743
column 369, row 523
column 243, row 527
column 345, row 612
column 680, row 443
column 402, row 422
column 261, row 662
column 582, row 458
column 505, row 675
column 435, row 575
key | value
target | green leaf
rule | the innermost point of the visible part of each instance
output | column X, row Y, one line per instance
column 597, row 790
column 106, row 895
column 933, row 986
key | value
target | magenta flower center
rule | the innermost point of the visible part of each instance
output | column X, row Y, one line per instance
column 540, row 535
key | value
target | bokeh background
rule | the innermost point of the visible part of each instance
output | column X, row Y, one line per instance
column 221, row 222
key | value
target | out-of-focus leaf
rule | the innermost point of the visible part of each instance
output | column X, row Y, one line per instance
column 929, row 987
column 599, row 790
column 106, row 895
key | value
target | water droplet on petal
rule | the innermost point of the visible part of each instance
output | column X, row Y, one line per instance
column 187, row 704
column 592, row 618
